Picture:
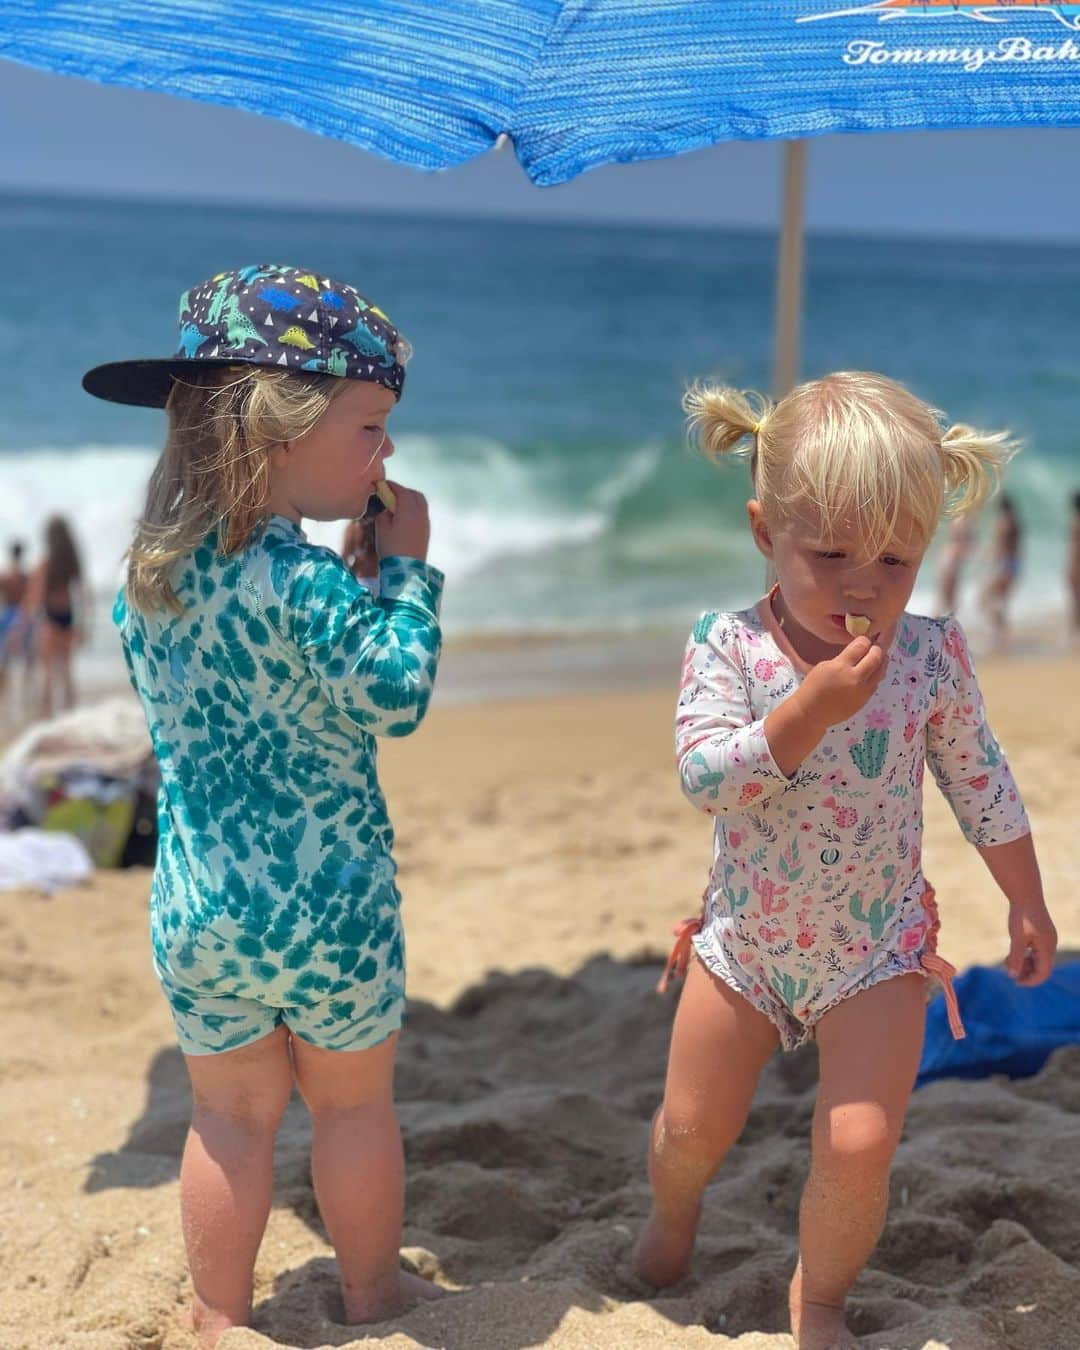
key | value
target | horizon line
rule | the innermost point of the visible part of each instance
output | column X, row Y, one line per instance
column 515, row 217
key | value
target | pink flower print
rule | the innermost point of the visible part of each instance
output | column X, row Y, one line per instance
column 734, row 838
column 837, row 778
column 861, row 948
column 845, row 816
column 910, row 728
column 764, row 669
column 749, row 792
column 806, row 825
column 745, row 958
column 879, row 719
column 912, row 680
column 911, row 939
column 979, row 783
column 769, row 934
column 849, row 869
column 807, row 932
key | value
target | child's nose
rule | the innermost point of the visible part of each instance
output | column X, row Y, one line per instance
column 387, row 447
column 859, row 585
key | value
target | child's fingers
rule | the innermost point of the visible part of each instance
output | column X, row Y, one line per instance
column 1031, row 956
column 855, row 651
column 1039, row 961
column 872, row 663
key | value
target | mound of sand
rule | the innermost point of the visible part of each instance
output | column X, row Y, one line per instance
column 525, row 1095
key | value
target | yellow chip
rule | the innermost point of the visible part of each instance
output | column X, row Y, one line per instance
column 385, row 494
column 858, row 625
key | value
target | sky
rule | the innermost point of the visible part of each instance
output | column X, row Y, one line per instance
column 68, row 136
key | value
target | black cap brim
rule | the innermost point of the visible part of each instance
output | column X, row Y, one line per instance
column 145, row 384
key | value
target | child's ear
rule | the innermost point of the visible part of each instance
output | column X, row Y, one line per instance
column 279, row 454
column 758, row 528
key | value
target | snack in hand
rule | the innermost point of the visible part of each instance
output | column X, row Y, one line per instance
column 858, row 625
column 385, row 494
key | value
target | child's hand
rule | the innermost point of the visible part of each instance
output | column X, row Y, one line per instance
column 1032, row 942
column 835, row 690
column 405, row 531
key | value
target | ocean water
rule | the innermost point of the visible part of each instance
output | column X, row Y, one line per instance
column 541, row 415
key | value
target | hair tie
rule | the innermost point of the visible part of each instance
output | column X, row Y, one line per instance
column 755, row 430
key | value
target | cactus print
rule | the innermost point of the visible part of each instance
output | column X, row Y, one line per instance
column 816, row 879
column 273, row 897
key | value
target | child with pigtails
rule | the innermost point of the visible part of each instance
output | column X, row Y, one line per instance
column 804, row 725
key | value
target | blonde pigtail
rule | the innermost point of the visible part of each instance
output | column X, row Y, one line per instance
column 719, row 418
column 973, row 465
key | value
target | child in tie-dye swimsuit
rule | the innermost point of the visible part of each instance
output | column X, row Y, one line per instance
column 809, row 746
column 267, row 671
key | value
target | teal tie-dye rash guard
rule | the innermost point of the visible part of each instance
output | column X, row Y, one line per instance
column 263, row 701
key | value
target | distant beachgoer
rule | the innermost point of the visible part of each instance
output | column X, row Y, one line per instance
column 13, row 584
column 56, row 605
column 958, row 547
column 1004, row 570
column 359, row 552
column 1073, row 569
column 266, row 673
column 804, row 725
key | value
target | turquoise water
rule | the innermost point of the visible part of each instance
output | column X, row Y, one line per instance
column 542, row 414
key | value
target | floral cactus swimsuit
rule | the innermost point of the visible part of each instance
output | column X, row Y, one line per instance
column 273, row 898
column 816, row 890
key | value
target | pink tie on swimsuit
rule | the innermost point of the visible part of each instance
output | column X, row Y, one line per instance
column 679, row 960
column 937, row 966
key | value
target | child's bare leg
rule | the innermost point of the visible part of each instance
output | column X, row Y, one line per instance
column 719, row 1045
column 226, row 1178
column 862, row 1098
column 358, row 1172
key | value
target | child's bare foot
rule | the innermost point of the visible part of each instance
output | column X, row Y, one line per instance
column 663, row 1251
column 817, row 1326
column 208, row 1324
column 377, row 1306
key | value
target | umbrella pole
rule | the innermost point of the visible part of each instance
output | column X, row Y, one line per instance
column 789, row 279
column 789, row 284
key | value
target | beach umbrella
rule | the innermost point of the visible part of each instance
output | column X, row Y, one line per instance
column 577, row 83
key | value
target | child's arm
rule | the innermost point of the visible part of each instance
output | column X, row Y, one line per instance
column 724, row 758
column 1032, row 935
column 973, row 774
column 832, row 692
column 374, row 659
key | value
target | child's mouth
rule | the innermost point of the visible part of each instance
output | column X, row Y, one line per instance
column 838, row 621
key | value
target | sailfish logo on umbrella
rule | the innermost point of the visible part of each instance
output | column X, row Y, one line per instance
column 1002, row 12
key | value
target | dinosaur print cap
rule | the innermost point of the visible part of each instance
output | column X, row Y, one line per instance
column 264, row 315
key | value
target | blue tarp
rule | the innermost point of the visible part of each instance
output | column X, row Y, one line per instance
column 1010, row 1030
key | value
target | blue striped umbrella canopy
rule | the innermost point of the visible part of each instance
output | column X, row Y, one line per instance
column 578, row 83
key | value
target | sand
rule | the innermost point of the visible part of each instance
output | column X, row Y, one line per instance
column 545, row 851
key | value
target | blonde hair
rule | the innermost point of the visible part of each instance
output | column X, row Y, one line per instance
column 852, row 446
column 215, row 469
